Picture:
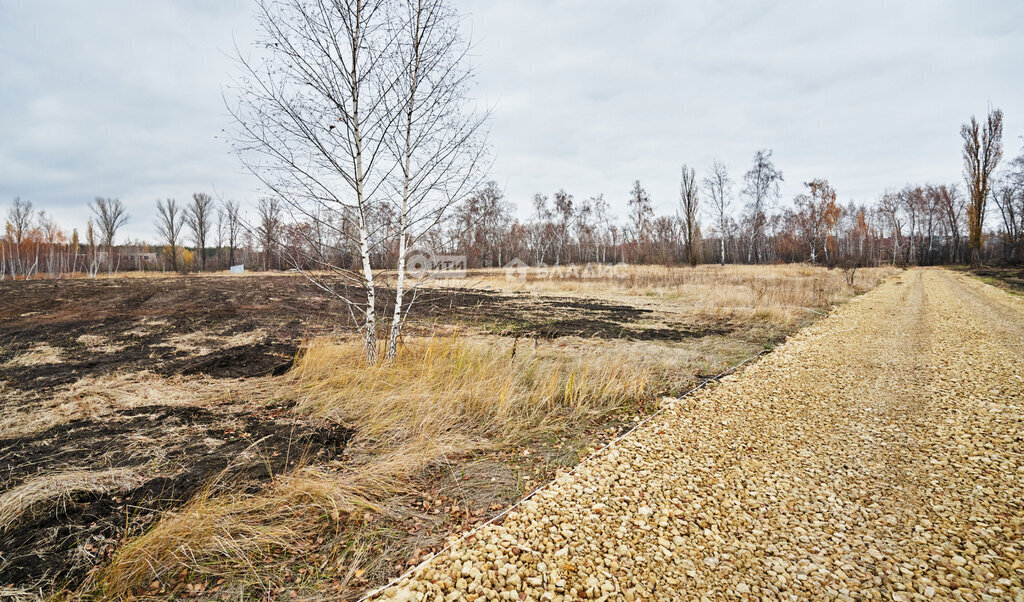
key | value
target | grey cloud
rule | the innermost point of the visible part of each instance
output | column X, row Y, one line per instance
column 120, row 98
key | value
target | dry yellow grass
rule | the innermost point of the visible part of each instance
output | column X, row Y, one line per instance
column 782, row 294
column 99, row 344
column 92, row 340
column 480, row 388
column 94, row 397
column 39, row 354
column 230, row 535
column 46, row 492
column 18, row 595
column 443, row 398
column 203, row 342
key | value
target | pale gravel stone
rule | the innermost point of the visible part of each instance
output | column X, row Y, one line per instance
column 877, row 454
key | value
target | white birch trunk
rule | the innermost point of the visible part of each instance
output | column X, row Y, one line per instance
column 721, row 236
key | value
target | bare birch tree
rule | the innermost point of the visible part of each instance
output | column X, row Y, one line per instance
column 355, row 109
column 951, row 203
column 233, row 227
column 891, row 209
column 983, row 148
column 816, row 214
column 688, row 206
column 313, row 124
column 438, row 142
column 111, row 214
column 93, row 265
column 169, row 222
column 198, row 216
column 19, row 223
column 641, row 216
column 268, row 230
column 761, row 187
column 718, row 186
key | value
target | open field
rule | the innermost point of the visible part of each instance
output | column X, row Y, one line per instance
column 202, row 436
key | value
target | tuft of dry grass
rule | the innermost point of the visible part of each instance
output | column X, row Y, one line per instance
column 92, row 340
column 99, row 344
column 38, row 355
column 488, row 389
column 201, row 343
column 93, row 397
column 18, row 595
column 229, row 535
column 46, row 492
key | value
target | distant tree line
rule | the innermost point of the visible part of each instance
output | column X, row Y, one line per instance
column 718, row 220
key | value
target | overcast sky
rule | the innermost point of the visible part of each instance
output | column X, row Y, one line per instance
column 124, row 98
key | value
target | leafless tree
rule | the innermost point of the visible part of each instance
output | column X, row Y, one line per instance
column 604, row 225
column 951, row 204
column 585, row 230
column 233, row 226
column 857, row 235
column 93, row 265
column 357, row 109
column 314, row 124
column 1008, row 195
column 688, row 206
column 268, row 230
column 540, row 229
column 1006, row 199
column 74, row 249
column 932, row 221
column 718, row 187
column 19, row 222
column 641, row 216
column 912, row 200
column 198, row 216
column 761, row 187
column 110, row 214
column 983, row 148
column 892, row 210
column 51, row 233
column 564, row 211
column 482, row 221
column 816, row 213
column 438, row 143
column 220, row 232
column 169, row 221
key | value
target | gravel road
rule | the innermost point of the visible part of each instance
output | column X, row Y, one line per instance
column 878, row 454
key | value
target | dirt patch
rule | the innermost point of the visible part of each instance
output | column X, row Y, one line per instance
column 178, row 449
column 606, row 329
column 234, row 362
